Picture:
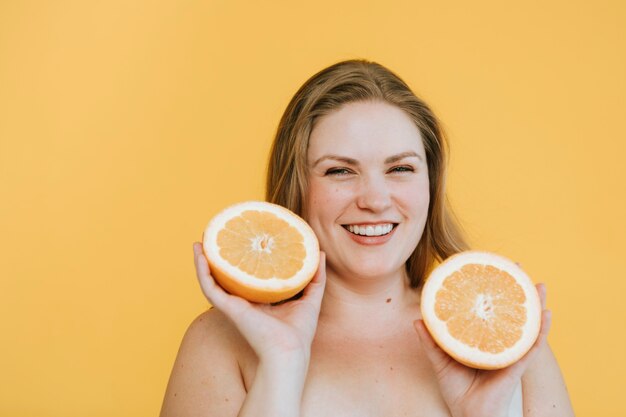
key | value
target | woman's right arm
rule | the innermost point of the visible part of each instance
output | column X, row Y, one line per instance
column 207, row 371
column 205, row 379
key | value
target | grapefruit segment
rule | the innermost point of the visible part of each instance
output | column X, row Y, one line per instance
column 482, row 309
column 261, row 251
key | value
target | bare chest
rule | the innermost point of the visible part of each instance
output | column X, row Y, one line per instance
column 387, row 376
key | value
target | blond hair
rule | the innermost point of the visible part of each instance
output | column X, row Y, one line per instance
column 328, row 90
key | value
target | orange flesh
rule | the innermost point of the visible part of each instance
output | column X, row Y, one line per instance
column 482, row 307
column 262, row 244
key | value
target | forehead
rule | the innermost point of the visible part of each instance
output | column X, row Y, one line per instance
column 366, row 129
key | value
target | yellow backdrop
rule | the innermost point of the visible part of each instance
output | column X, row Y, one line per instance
column 125, row 125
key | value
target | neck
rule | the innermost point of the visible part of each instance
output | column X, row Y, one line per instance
column 368, row 300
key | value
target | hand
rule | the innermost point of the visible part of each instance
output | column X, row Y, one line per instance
column 472, row 392
column 276, row 331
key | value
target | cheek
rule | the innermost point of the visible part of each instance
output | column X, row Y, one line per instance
column 415, row 194
column 325, row 201
column 415, row 205
column 318, row 197
column 422, row 197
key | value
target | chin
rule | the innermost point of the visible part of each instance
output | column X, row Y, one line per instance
column 367, row 263
column 374, row 270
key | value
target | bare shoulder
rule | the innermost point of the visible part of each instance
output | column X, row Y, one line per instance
column 206, row 377
column 544, row 389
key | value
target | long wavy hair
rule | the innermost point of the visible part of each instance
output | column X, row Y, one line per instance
column 352, row 81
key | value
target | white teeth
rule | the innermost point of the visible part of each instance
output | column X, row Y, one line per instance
column 378, row 230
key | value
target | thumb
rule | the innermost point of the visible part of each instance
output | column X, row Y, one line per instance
column 438, row 358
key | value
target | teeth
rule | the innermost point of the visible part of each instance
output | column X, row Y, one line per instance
column 378, row 230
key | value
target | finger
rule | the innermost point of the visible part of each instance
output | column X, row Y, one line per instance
column 542, row 291
column 315, row 290
column 519, row 367
column 438, row 358
column 197, row 248
column 203, row 273
column 546, row 324
column 219, row 298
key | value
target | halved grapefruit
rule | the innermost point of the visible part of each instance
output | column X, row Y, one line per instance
column 482, row 309
column 260, row 251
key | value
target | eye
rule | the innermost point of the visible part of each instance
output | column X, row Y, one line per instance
column 338, row 171
column 402, row 168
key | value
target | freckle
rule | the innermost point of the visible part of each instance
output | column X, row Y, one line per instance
column 391, row 368
column 553, row 405
column 226, row 399
column 388, row 300
column 175, row 394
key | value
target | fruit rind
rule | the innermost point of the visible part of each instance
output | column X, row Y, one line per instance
column 463, row 353
column 268, row 290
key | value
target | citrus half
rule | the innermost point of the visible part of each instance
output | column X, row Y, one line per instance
column 482, row 309
column 260, row 251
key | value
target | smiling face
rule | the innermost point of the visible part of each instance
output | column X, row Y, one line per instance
column 368, row 190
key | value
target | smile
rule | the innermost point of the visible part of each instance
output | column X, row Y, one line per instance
column 370, row 230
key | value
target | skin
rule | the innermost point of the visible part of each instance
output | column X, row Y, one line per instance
column 354, row 344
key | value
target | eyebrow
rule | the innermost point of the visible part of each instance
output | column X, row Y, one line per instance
column 350, row 161
column 408, row 154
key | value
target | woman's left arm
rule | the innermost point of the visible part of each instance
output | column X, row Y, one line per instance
column 543, row 387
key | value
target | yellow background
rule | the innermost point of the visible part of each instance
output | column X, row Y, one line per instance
column 125, row 125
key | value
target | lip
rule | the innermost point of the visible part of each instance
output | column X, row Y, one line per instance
column 372, row 240
column 372, row 223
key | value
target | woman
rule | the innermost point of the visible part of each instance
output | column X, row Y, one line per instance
column 354, row 149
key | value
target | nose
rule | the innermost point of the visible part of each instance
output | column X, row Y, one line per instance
column 374, row 195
